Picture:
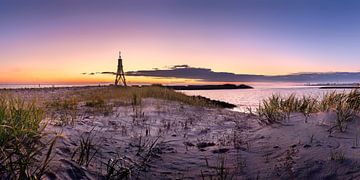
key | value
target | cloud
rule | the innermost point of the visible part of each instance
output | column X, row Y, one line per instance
column 180, row 66
column 111, row 73
column 94, row 73
column 185, row 71
column 208, row 75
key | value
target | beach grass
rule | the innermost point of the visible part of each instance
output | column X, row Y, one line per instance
column 346, row 105
column 86, row 149
column 273, row 109
column 62, row 110
column 20, row 146
column 133, row 95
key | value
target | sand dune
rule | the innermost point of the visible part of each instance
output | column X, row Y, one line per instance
column 198, row 142
column 164, row 139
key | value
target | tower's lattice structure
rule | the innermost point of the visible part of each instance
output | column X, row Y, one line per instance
column 120, row 75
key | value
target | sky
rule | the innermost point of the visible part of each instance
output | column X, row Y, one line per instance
column 44, row 41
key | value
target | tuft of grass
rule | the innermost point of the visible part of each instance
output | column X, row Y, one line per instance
column 344, row 114
column 330, row 100
column 118, row 168
column 99, row 105
column 276, row 108
column 96, row 102
column 20, row 146
column 353, row 100
column 86, row 150
column 271, row 109
column 289, row 105
column 64, row 110
column 337, row 156
column 307, row 106
column 222, row 171
column 122, row 167
column 136, row 104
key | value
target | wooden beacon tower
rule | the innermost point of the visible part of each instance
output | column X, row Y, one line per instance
column 120, row 75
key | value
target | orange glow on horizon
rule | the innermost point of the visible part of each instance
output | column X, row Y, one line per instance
column 62, row 41
column 61, row 58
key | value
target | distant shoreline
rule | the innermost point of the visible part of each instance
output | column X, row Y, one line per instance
column 339, row 87
column 175, row 87
column 210, row 87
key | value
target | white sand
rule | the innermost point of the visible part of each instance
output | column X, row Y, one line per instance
column 250, row 150
column 294, row 149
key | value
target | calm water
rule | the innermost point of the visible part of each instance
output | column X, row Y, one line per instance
column 244, row 98
column 19, row 86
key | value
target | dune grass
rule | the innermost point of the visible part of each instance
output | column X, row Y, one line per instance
column 277, row 108
column 307, row 106
column 273, row 110
column 346, row 105
column 20, row 146
column 62, row 110
column 128, row 94
column 86, row 149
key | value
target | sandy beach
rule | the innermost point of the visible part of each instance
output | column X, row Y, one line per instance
column 162, row 139
column 179, row 89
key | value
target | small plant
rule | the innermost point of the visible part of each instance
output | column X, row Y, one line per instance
column 343, row 115
column 249, row 110
column 289, row 105
column 117, row 169
column 136, row 104
column 353, row 100
column 307, row 106
column 271, row 110
column 63, row 110
column 221, row 171
column 145, row 148
column 337, row 156
column 124, row 167
column 86, row 150
column 330, row 100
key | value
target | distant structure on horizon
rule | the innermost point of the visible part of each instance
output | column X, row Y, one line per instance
column 120, row 75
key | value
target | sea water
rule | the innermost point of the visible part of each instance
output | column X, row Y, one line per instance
column 251, row 98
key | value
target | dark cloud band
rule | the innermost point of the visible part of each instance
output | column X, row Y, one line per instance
column 208, row 75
